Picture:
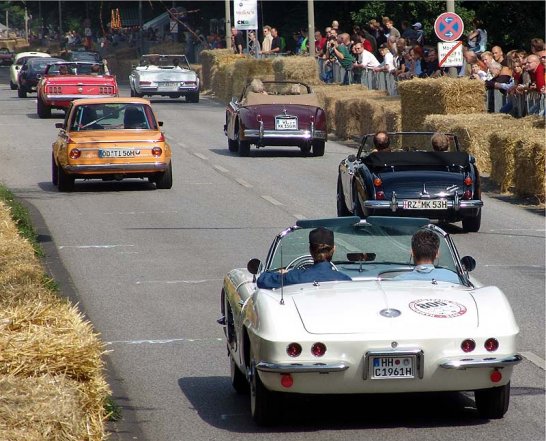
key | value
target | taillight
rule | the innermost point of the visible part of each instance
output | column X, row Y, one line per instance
column 377, row 182
column 380, row 195
column 156, row 151
column 162, row 137
column 496, row 376
column 468, row 345
column 468, row 181
column 491, row 344
column 293, row 349
column 75, row 153
column 318, row 349
column 145, row 83
column 467, row 194
column 106, row 90
column 287, row 380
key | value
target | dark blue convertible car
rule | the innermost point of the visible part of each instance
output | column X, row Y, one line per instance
column 411, row 179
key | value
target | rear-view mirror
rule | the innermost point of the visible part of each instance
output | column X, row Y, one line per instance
column 160, row 123
column 361, row 257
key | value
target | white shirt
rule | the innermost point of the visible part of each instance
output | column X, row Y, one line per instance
column 367, row 60
column 388, row 62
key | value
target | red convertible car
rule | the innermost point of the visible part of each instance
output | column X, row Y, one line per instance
column 66, row 81
column 276, row 113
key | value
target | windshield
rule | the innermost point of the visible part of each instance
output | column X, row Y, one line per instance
column 165, row 61
column 112, row 116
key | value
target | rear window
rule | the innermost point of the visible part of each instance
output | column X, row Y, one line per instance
column 113, row 116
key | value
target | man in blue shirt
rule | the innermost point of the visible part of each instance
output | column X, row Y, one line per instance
column 425, row 246
column 321, row 248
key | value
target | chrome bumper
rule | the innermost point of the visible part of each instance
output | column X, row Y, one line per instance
column 118, row 168
column 181, row 89
column 481, row 362
column 301, row 368
column 54, row 98
column 395, row 204
column 285, row 134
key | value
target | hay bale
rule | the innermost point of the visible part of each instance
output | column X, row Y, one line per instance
column 247, row 68
column 210, row 59
column 529, row 164
column 221, row 76
column 440, row 96
column 473, row 132
column 303, row 69
column 502, row 150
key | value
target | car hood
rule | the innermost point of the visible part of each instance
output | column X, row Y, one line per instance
column 410, row 183
column 364, row 307
column 116, row 136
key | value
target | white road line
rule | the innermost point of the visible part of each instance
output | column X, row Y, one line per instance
column 181, row 144
column 243, row 183
column 161, row 342
column 221, row 169
column 511, row 266
column 93, row 246
column 518, row 229
column 299, row 216
column 199, row 155
column 271, row 200
column 535, row 359
column 172, row 282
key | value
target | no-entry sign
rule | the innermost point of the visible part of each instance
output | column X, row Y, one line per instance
column 449, row 26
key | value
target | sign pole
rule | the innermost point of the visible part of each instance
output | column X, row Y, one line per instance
column 311, row 28
column 228, row 25
column 452, row 71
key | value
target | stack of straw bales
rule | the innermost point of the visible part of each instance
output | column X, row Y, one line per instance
column 210, row 59
column 51, row 369
column 245, row 70
column 529, row 169
column 303, row 69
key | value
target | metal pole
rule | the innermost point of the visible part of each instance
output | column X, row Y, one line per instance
column 228, row 24
column 7, row 23
column 60, row 22
column 452, row 71
column 26, row 24
column 140, row 30
column 311, row 27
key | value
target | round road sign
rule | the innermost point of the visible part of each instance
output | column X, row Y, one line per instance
column 449, row 26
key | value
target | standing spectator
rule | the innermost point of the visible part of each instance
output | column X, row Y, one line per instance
column 266, row 42
column 535, row 68
column 501, row 80
column 418, row 27
column 391, row 30
column 343, row 55
column 376, row 31
column 431, row 67
column 335, row 25
column 238, row 41
column 477, row 38
column 367, row 37
column 408, row 33
column 304, row 45
column 388, row 60
column 498, row 55
column 254, row 48
column 476, row 73
column 329, row 59
column 363, row 60
column 537, row 45
column 415, row 63
column 276, row 46
column 320, row 42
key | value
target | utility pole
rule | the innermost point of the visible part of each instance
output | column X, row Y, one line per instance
column 60, row 21
column 452, row 71
column 311, row 27
column 228, row 25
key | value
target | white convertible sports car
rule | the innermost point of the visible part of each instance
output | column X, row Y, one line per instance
column 372, row 334
column 164, row 75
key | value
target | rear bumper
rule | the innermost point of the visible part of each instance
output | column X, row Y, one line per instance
column 455, row 208
column 301, row 368
column 481, row 362
column 150, row 167
column 56, row 100
column 178, row 92
column 261, row 136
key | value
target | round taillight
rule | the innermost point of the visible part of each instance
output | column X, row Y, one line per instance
column 293, row 349
column 491, row 344
column 496, row 376
column 468, row 180
column 468, row 345
column 287, row 380
column 467, row 194
column 318, row 349
column 377, row 182
column 156, row 151
column 380, row 195
column 75, row 153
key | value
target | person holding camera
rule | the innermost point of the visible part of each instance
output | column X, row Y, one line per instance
column 343, row 55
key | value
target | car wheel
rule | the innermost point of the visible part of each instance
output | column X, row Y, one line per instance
column 21, row 92
column 264, row 406
column 192, row 97
column 43, row 110
column 472, row 224
column 305, row 149
column 164, row 180
column 238, row 379
column 318, row 148
column 54, row 171
column 233, row 145
column 342, row 209
column 12, row 85
column 65, row 182
column 244, row 148
column 493, row 403
column 132, row 93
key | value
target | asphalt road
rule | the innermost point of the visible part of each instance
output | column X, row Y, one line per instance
column 147, row 265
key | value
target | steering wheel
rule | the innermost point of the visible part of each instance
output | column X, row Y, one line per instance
column 300, row 262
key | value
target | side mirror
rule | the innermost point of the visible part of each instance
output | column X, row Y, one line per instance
column 469, row 263
column 253, row 266
column 59, row 125
column 160, row 123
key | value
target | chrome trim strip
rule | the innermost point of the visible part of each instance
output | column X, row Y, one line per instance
column 418, row 353
column 77, row 97
column 301, row 368
column 118, row 168
column 299, row 134
column 481, row 362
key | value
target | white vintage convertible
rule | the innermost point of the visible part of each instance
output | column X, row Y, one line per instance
column 164, row 75
column 372, row 334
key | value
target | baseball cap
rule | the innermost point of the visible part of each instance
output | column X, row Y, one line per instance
column 321, row 235
column 417, row 25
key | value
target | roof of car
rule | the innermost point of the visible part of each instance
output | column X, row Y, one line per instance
column 32, row 54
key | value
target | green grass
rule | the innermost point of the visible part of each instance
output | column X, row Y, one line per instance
column 113, row 410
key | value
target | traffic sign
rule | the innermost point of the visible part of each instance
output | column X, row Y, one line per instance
column 449, row 26
column 450, row 54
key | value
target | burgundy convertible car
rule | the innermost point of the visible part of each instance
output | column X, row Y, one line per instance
column 276, row 113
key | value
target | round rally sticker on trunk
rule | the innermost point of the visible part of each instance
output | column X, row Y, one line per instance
column 437, row 308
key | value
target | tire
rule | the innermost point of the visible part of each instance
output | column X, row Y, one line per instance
column 12, row 85
column 21, row 92
column 192, row 97
column 264, row 406
column 306, row 149
column 54, row 171
column 132, row 93
column 233, row 145
column 472, row 224
column 164, row 180
column 43, row 110
column 65, row 182
column 493, row 403
column 318, row 148
column 238, row 379
column 342, row 209
column 244, row 148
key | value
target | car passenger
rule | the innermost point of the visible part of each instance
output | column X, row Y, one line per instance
column 63, row 69
column 381, row 142
column 425, row 248
column 321, row 248
column 440, row 142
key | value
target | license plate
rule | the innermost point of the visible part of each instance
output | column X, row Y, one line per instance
column 424, row 204
column 286, row 124
column 169, row 84
column 392, row 367
column 118, row 153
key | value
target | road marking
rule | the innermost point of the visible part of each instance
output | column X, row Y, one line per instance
column 172, row 282
column 161, row 342
column 181, row 144
column 221, row 169
column 535, row 359
column 243, row 183
column 500, row 265
column 271, row 200
column 520, row 229
column 93, row 246
column 199, row 155
column 299, row 216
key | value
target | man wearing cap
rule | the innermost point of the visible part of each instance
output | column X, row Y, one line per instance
column 321, row 248
column 420, row 38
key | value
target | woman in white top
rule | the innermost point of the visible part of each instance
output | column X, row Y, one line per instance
column 388, row 60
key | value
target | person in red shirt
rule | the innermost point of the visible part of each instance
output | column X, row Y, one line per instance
column 535, row 69
column 320, row 42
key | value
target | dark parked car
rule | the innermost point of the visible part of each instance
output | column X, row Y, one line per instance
column 411, row 180
column 89, row 56
column 6, row 56
column 30, row 74
column 277, row 113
